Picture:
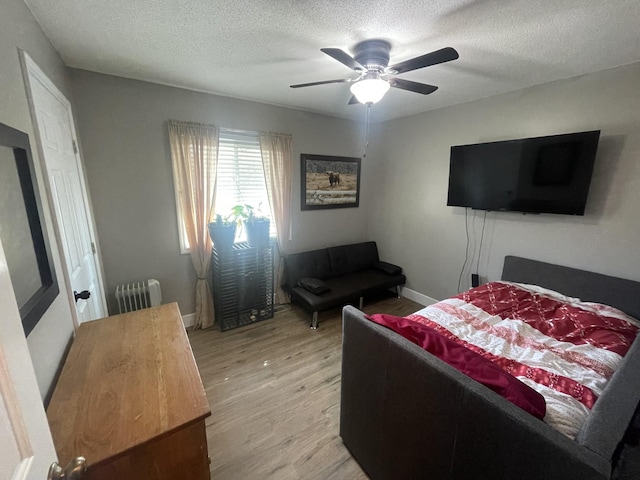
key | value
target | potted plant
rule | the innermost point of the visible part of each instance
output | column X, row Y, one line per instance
column 223, row 231
column 255, row 224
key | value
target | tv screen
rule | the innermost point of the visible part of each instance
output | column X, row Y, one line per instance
column 535, row 175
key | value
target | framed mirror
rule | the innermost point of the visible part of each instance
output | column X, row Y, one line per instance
column 22, row 229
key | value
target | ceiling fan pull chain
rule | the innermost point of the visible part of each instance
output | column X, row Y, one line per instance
column 366, row 130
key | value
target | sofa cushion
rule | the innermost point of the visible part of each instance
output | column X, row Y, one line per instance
column 352, row 258
column 374, row 279
column 339, row 260
column 313, row 285
column 361, row 255
column 314, row 264
column 341, row 292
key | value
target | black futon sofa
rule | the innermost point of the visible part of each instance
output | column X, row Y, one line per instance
column 332, row 277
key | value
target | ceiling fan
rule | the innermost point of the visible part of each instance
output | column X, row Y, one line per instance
column 375, row 76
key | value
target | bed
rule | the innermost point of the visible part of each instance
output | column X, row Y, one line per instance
column 406, row 414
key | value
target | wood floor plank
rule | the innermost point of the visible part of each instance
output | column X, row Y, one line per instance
column 274, row 392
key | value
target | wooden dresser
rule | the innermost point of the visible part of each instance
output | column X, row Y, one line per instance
column 130, row 400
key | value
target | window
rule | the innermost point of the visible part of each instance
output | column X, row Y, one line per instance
column 240, row 178
column 241, row 175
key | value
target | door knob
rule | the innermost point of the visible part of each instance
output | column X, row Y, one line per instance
column 84, row 295
column 74, row 471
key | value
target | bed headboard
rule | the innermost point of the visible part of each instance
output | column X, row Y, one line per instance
column 588, row 286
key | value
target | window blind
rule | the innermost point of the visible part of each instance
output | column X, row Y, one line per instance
column 240, row 178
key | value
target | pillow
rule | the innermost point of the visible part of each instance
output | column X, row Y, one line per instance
column 466, row 361
column 388, row 268
column 608, row 311
column 313, row 285
column 537, row 289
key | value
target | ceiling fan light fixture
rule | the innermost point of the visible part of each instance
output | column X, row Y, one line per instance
column 370, row 89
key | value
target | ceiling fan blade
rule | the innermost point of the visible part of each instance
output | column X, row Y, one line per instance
column 422, row 88
column 344, row 58
column 439, row 56
column 353, row 100
column 341, row 80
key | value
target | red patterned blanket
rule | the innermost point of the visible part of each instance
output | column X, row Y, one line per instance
column 564, row 349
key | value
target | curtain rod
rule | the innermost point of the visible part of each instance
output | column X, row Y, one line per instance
column 184, row 122
column 237, row 130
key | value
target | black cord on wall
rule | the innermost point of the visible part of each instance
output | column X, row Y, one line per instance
column 484, row 221
column 475, row 276
column 466, row 250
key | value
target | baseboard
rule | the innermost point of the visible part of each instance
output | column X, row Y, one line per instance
column 417, row 297
column 189, row 320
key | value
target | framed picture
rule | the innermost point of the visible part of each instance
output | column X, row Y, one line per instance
column 329, row 182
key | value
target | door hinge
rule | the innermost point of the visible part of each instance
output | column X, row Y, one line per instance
column 93, row 248
column 75, row 147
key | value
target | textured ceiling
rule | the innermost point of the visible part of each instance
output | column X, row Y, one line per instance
column 256, row 49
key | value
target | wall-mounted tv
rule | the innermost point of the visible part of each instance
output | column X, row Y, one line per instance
column 534, row 175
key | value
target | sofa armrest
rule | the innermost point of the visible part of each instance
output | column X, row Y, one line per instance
column 388, row 268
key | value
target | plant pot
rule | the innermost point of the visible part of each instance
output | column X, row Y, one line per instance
column 257, row 232
column 222, row 235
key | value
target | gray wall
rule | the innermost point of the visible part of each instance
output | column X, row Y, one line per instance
column 416, row 229
column 125, row 143
column 404, row 179
column 18, row 29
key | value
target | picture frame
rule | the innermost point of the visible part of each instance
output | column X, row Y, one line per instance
column 22, row 229
column 329, row 182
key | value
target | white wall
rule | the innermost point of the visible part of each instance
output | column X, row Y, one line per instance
column 416, row 229
column 123, row 132
column 18, row 29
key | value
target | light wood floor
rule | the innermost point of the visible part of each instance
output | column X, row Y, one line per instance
column 274, row 392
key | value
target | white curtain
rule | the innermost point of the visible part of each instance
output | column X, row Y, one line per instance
column 277, row 160
column 194, row 154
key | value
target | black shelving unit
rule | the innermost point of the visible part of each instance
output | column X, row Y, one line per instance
column 242, row 284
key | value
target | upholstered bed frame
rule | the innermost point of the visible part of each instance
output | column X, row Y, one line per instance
column 587, row 286
column 407, row 415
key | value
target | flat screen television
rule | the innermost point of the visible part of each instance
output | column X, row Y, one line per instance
column 533, row 175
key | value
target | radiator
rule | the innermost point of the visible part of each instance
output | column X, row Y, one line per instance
column 136, row 295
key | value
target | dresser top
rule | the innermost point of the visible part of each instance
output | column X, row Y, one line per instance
column 128, row 379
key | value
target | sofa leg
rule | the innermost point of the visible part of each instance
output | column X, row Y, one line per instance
column 397, row 291
column 361, row 302
column 314, row 321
